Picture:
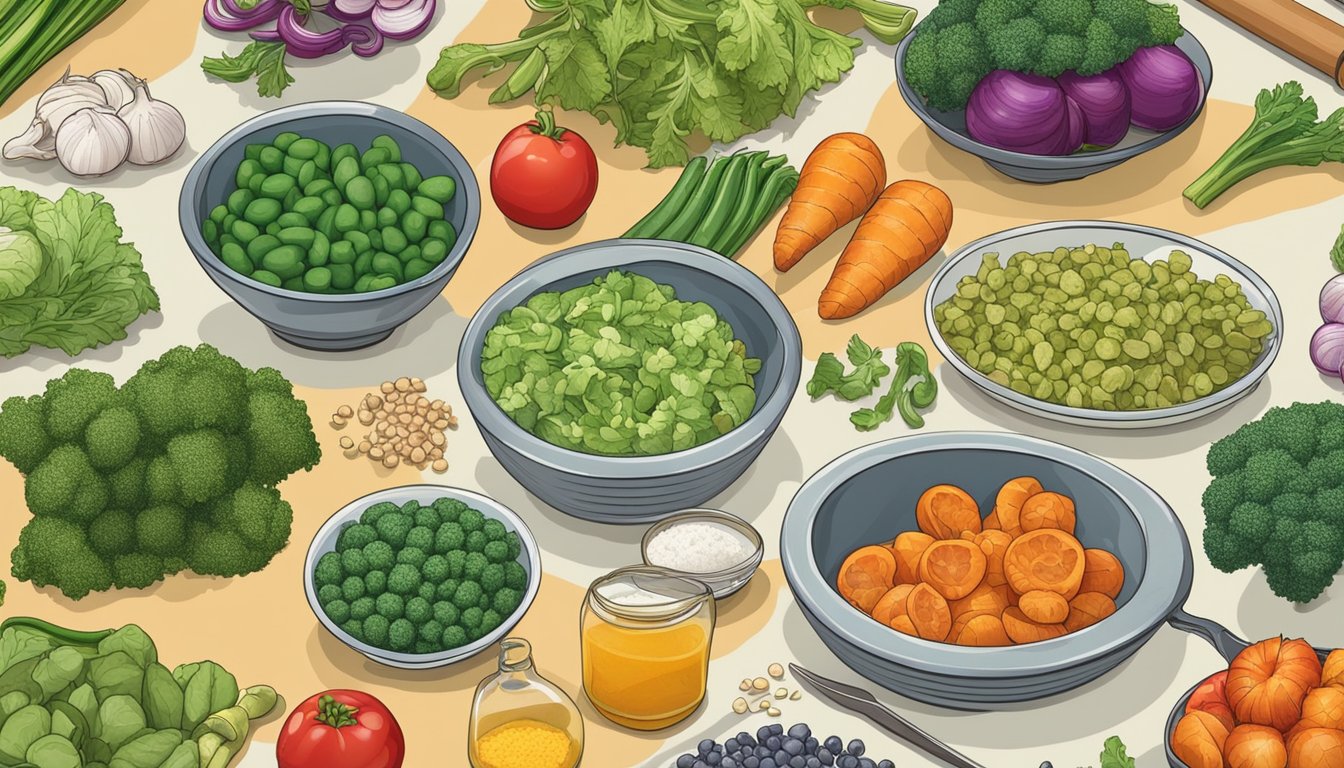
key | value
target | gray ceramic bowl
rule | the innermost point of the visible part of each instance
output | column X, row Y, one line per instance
column 1148, row 243
column 951, row 127
column 640, row 489
column 869, row 495
column 316, row 321
column 324, row 541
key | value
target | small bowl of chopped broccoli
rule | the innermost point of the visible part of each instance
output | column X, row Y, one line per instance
column 624, row 380
column 422, row 576
column 333, row 223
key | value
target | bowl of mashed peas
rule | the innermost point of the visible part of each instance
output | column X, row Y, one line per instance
column 624, row 380
column 331, row 222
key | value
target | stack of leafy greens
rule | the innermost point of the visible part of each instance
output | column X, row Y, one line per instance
column 176, row 469
column 97, row 699
column 66, row 279
column 662, row 69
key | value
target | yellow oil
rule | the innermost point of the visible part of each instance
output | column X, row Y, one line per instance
column 646, row 679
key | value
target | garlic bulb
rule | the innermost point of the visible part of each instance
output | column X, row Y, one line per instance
column 36, row 143
column 67, row 96
column 93, row 142
column 157, row 129
column 118, row 86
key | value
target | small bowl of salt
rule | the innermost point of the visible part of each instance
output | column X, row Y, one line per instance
column 714, row 547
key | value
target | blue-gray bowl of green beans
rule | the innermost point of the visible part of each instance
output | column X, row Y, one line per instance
column 1208, row 349
column 361, row 278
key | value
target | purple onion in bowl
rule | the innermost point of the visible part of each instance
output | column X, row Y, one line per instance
column 1327, row 348
column 1332, row 300
column 1164, row 88
column 1075, row 128
column 1019, row 112
column 1104, row 99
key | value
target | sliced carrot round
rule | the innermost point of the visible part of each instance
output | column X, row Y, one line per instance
column 866, row 575
column 908, row 548
column 954, row 568
column 982, row 631
column 1102, row 572
column 892, row 604
column 995, row 546
column 1044, row 607
column 928, row 612
column 945, row 511
column 1008, row 503
column 1048, row 559
column 1048, row 510
column 1023, row 630
column 1087, row 609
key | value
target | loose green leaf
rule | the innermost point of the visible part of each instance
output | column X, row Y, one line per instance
column 1337, row 253
column 830, row 376
column 1113, row 754
column 265, row 61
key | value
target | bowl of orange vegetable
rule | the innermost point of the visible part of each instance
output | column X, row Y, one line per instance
column 1280, row 702
column 1126, row 550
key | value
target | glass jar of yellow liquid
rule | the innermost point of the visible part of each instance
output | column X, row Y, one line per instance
column 519, row 719
column 646, row 633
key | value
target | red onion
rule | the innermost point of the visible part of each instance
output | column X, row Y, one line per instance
column 1327, row 348
column 225, row 15
column 1104, row 99
column 405, row 21
column 1019, row 112
column 392, row 4
column 1076, row 127
column 1332, row 300
column 1164, row 87
column 367, row 41
column 265, row 35
column 303, row 42
column 355, row 8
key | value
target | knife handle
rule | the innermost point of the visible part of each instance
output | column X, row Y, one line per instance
column 1292, row 28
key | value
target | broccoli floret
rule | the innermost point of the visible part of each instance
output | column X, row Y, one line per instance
column 496, row 551
column 375, row 583
column 1164, row 25
column 494, row 530
column 474, row 566
column 403, row 579
column 506, row 601
column 260, row 515
column 328, row 570
column 66, row 485
column 431, row 633
column 468, row 595
column 454, row 637
column 1290, row 506
column 354, row 628
column 470, row 520
column 490, row 620
column 1266, row 474
column 393, row 528
column 412, row 556
column 410, row 508
column 362, row 608
column 352, row 588
column 401, row 635
column 428, row 517
column 418, row 610
column 390, row 605
column 161, row 530
column 222, row 552
column 73, row 400
column 515, row 545
column 471, row 618
column 328, row 592
column 447, row 590
column 356, row 536
column 423, row 646
column 428, row 591
column 24, row 439
column 1060, row 53
column 448, row 509
column 949, row 12
column 445, row 613
column 449, row 537
column 187, row 389
column 201, row 463
column 380, row 555
column 126, row 486
column 375, row 630
column 1330, row 505
column 421, row 538
column 515, row 576
column 112, row 438
column 476, row 542
column 373, row 514
column 1102, row 48
column 1128, row 18
column 137, row 570
column 492, row 578
column 435, row 570
column 55, row 552
column 281, row 437
column 112, row 533
column 353, row 562
column 993, row 14
column 457, row 563
column 1251, row 522
column 1064, row 17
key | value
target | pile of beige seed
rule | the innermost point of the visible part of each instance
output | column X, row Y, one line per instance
column 405, row 426
column 761, row 687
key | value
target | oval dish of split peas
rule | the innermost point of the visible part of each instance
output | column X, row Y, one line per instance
column 1016, row 576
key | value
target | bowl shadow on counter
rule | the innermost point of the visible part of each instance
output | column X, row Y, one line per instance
column 1101, row 705
column 1143, row 443
column 410, row 348
column 1262, row 614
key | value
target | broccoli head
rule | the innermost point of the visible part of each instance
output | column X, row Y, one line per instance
column 1164, row 25
column 188, row 389
column 66, row 485
column 1102, row 48
column 1065, row 17
column 379, row 555
column 280, row 435
column 376, row 629
column 1015, row 45
column 1128, row 18
column 418, row 610
column 947, row 66
column 401, row 635
column 403, row 579
column 1277, row 499
column 56, row 552
column 1060, row 53
column 413, row 556
column 375, row 583
column 73, row 400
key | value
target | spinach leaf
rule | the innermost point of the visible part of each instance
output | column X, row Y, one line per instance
column 162, row 698
column 132, row 641
column 20, row 730
column 57, row 670
column 147, row 751
column 52, row 751
column 206, row 689
column 22, row 643
column 116, row 674
column 120, row 718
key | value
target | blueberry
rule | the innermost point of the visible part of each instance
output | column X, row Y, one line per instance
column 700, row 764
column 762, row 751
column 800, row 731
column 773, row 743
column 825, row 756
column 797, row 761
column 728, row 762
column 763, row 733
column 793, row 746
column 812, row 762
column 713, row 758
column 855, row 748
column 834, row 745
column 751, row 761
column 731, row 745
column 777, row 730
column 745, row 739
column 705, row 747
column 867, row 762
column 782, row 757
column 886, row 764
column 685, row 761
column 847, row 761
column 768, row 762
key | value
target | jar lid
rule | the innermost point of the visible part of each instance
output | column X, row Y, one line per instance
column 648, row 593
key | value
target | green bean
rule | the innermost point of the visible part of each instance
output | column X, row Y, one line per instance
column 671, row 203
column 742, row 215
column 440, row 189
column 776, row 190
column 727, row 200
column 686, row 219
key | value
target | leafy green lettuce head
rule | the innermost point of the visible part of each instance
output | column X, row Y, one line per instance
column 20, row 261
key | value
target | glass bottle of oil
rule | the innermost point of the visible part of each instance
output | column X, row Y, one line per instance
column 519, row 719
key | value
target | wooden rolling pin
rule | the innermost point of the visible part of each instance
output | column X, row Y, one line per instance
column 1293, row 28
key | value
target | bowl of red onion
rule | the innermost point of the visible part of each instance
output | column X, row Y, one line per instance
column 1327, row 344
column 1048, row 129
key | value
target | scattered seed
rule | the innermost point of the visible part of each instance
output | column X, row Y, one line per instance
column 776, row 671
column 440, row 466
column 347, row 443
column 745, row 685
column 763, row 705
column 376, row 452
column 338, row 422
column 345, row 412
column 390, row 460
column 760, row 684
column 387, row 388
column 740, row 705
column 402, row 385
column 782, row 693
column 773, row 712
column 796, row 695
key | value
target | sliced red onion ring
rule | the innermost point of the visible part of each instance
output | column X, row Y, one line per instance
column 367, row 41
column 359, row 8
column 266, row 35
column 403, row 23
column 303, row 42
column 392, row 5
column 225, row 15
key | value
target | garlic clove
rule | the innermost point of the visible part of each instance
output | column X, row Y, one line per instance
column 118, row 89
column 93, row 142
column 157, row 129
column 36, row 143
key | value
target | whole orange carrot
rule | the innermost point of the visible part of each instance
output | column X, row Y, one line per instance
column 899, row 234
column 840, row 180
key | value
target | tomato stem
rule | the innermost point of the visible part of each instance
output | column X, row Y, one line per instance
column 334, row 713
column 546, row 125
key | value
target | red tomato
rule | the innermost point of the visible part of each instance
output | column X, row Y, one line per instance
column 341, row 729
column 543, row 176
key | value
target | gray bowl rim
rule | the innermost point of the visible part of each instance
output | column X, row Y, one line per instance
column 468, row 187
column 1163, row 586
column 1152, row 417
column 1078, row 160
column 612, row 254
column 725, row 582
column 351, row 512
